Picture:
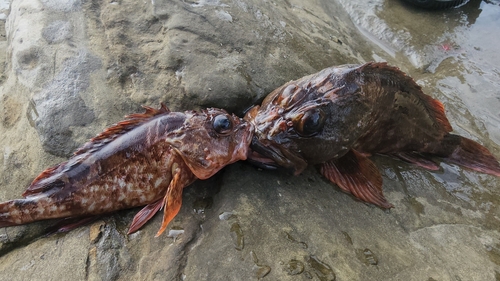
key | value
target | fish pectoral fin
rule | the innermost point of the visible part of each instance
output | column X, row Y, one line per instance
column 417, row 159
column 172, row 201
column 358, row 175
column 145, row 215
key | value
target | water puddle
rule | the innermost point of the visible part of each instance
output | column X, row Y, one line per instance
column 237, row 236
column 322, row 270
column 294, row 267
column 260, row 270
column 289, row 237
column 366, row 256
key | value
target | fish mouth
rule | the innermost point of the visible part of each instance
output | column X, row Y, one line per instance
column 261, row 161
column 242, row 149
column 269, row 155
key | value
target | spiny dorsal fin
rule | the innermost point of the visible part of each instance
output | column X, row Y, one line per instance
column 48, row 179
column 111, row 133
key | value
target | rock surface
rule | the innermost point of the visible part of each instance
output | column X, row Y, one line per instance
column 74, row 67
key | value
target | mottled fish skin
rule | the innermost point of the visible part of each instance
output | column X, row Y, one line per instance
column 144, row 160
column 339, row 116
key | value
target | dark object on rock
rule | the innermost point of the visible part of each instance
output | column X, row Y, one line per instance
column 436, row 4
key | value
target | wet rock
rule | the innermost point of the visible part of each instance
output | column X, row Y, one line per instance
column 367, row 256
column 74, row 67
column 57, row 32
column 237, row 236
column 60, row 102
column 322, row 270
column 294, row 267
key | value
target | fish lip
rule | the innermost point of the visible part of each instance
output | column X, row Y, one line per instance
column 278, row 155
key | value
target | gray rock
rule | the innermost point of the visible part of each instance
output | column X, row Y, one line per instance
column 73, row 68
column 57, row 32
column 60, row 102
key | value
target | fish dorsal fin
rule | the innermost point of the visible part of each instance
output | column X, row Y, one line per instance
column 392, row 76
column 49, row 179
column 131, row 121
column 43, row 183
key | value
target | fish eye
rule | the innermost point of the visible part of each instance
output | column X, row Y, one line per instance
column 311, row 123
column 222, row 124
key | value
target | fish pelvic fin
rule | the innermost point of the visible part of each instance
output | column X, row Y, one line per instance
column 172, row 201
column 145, row 215
column 356, row 174
column 467, row 153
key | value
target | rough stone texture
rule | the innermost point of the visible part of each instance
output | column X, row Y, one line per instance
column 74, row 67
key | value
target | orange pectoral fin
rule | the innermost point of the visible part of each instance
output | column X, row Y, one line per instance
column 356, row 174
column 144, row 215
column 172, row 201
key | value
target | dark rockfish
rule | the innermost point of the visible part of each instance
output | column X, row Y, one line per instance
column 145, row 160
column 341, row 115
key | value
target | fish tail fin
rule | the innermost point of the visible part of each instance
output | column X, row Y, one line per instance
column 8, row 211
column 467, row 153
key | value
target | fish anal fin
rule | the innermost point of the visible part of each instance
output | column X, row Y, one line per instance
column 145, row 215
column 417, row 159
column 356, row 174
column 172, row 201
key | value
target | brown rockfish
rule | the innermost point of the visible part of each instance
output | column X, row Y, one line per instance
column 341, row 115
column 145, row 160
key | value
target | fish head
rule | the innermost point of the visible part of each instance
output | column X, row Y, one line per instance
column 303, row 121
column 211, row 139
